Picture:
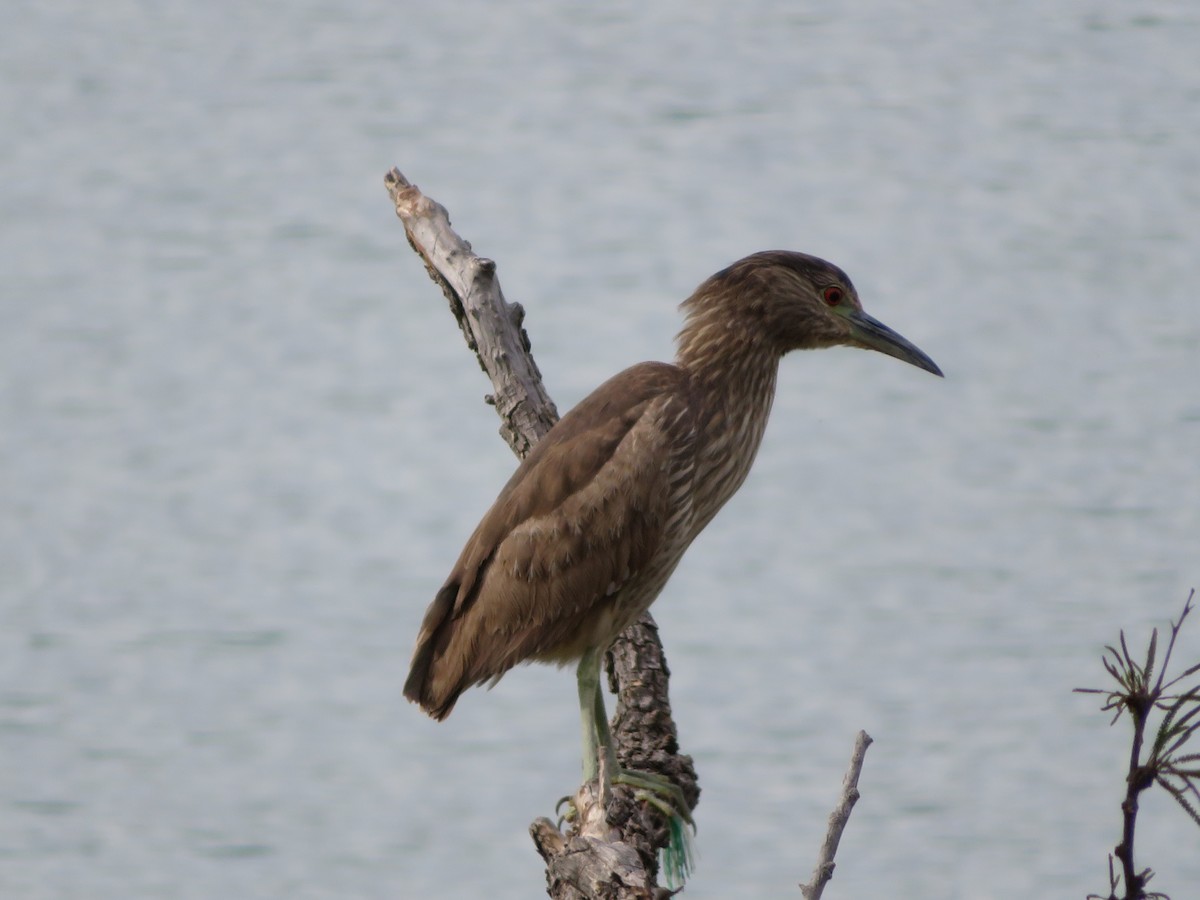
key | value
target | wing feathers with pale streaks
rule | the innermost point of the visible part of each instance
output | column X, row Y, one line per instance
column 584, row 511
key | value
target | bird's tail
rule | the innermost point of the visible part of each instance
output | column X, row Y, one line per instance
column 419, row 687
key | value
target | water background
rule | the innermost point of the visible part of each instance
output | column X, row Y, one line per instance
column 241, row 442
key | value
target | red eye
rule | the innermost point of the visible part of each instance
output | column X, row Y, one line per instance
column 832, row 295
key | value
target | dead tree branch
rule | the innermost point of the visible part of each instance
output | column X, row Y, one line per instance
column 837, row 821
column 491, row 325
column 613, row 855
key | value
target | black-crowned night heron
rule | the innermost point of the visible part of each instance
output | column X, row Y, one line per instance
column 587, row 531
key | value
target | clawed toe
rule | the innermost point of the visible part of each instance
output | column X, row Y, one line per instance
column 659, row 791
column 570, row 815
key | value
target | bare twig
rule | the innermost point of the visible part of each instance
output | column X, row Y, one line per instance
column 837, row 821
column 613, row 852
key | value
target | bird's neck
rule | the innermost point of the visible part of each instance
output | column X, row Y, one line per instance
column 734, row 386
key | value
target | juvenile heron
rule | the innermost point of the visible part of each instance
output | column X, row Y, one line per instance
column 591, row 525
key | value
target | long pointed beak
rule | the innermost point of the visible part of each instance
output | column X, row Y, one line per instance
column 875, row 335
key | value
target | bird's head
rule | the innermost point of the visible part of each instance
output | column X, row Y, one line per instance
column 778, row 301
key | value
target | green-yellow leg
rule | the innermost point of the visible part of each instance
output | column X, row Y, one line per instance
column 657, row 790
column 588, row 679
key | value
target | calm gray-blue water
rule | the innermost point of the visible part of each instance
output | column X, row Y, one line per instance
column 241, row 441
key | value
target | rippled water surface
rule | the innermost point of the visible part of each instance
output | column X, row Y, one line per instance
column 241, row 441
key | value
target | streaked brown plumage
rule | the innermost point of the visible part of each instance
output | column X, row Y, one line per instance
column 589, row 528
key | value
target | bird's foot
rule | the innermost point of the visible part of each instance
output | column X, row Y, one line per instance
column 659, row 791
column 572, row 813
column 666, row 796
column 586, row 813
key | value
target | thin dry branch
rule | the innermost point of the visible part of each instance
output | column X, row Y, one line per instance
column 613, row 855
column 837, row 821
column 491, row 325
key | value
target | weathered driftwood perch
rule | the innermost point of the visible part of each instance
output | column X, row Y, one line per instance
column 613, row 856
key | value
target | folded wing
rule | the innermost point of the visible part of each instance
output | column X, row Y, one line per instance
column 581, row 519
